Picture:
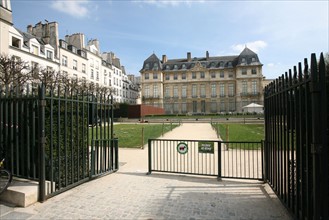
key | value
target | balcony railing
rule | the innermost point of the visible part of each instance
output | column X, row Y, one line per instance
column 244, row 94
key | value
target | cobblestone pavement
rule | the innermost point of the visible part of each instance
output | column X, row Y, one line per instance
column 131, row 194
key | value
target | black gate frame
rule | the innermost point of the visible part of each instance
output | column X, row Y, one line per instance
column 51, row 136
column 224, row 159
column 296, row 139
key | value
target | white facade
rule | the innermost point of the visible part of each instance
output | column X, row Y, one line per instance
column 40, row 46
column 32, row 51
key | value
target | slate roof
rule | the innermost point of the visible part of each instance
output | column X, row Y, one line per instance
column 246, row 57
column 27, row 37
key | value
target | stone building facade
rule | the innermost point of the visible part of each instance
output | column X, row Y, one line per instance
column 202, row 85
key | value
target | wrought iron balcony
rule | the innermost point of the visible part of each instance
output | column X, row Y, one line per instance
column 245, row 94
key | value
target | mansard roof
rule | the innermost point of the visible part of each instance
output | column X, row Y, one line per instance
column 246, row 57
column 152, row 63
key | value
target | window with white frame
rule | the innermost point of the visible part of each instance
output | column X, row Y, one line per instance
column 167, row 76
column 75, row 64
column 213, row 74
column 97, row 75
column 222, row 90
column 15, row 42
column 203, row 91
column 175, row 91
column 84, row 68
column 34, row 68
column 175, row 76
column 254, row 87
column 231, row 89
column 184, row 107
column 91, row 74
column 167, row 92
column 213, row 107
column 35, row 50
column 202, row 75
column 230, row 74
column 194, row 91
column 49, row 54
column 213, row 90
column 184, row 91
column 183, row 75
column 244, row 87
column 155, row 75
column 155, row 91
column 64, row 60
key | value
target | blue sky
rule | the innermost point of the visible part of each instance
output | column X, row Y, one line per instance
column 283, row 33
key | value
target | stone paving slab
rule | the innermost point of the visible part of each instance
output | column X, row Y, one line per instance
column 131, row 194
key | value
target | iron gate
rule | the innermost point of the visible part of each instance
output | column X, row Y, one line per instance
column 224, row 159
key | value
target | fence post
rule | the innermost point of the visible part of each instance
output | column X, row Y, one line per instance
column 319, row 127
column 149, row 157
column 116, row 148
column 264, row 160
column 142, row 147
column 219, row 165
column 42, row 169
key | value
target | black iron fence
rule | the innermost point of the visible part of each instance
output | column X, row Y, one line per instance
column 206, row 157
column 58, row 137
column 296, row 139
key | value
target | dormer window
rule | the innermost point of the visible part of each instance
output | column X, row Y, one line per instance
column 64, row 44
column 212, row 65
column 15, row 42
column 243, row 60
column 175, row 67
column 167, row 67
column 155, row 66
column 221, row 64
column 253, row 59
column 147, row 66
column 229, row 64
column 184, row 66
column 49, row 55
column 35, row 50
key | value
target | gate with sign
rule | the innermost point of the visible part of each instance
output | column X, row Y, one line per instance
column 243, row 160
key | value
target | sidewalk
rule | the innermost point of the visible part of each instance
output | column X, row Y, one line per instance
column 130, row 194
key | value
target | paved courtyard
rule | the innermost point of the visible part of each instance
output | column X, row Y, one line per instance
column 131, row 194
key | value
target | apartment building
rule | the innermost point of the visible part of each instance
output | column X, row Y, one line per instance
column 202, row 85
column 40, row 46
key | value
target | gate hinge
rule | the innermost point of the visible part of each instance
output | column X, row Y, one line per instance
column 316, row 148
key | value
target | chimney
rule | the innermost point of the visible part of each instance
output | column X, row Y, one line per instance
column 207, row 55
column 164, row 58
column 29, row 29
column 189, row 57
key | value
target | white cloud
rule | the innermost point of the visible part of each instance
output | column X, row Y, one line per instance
column 255, row 46
column 74, row 8
column 164, row 3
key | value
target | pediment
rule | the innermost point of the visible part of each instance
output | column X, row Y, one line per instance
column 198, row 67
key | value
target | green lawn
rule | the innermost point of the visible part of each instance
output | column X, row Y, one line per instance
column 130, row 135
column 240, row 132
